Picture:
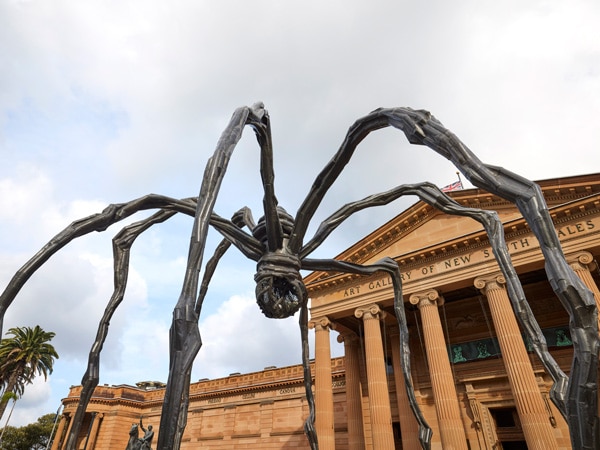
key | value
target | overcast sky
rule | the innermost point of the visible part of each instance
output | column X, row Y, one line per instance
column 105, row 101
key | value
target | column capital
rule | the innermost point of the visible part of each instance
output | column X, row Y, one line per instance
column 581, row 261
column 370, row 312
column 426, row 298
column 321, row 323
column 349, row 338
column 490, row 282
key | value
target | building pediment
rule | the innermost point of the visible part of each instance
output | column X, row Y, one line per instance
column 428, row 244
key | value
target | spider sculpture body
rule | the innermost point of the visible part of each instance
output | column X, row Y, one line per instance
column 277, row 244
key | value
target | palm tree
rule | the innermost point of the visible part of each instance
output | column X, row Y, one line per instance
column 22, row 357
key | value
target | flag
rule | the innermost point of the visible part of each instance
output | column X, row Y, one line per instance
column 453, row 187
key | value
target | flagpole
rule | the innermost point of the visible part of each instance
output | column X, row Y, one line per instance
column 458, row 175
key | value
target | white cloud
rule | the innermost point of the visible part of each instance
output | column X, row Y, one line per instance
column 31, row 406
column 22, row 196
column 238, row 338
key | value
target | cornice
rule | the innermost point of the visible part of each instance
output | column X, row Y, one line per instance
column 269, row 379
column 257, row 388
column 113, row 401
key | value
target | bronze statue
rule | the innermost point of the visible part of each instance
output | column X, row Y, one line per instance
column 137, row 443
column 277, row 244
column 146, row 441
column 134, row 439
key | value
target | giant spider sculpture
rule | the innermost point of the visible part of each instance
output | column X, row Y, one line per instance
column 277, row 244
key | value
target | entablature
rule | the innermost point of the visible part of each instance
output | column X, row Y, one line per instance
column 456, row 262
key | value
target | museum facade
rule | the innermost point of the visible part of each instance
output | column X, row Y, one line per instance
column 476, row 378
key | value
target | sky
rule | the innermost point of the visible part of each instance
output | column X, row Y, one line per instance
column 106, row 101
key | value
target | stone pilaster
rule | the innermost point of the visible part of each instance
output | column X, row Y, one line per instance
column 408, row 424
column 582, row 263
column 452, row 431
column 356, row 436
column 528, row 399
column 94, row 431
column 56, row 443
column 323, row 384
column 379, row 399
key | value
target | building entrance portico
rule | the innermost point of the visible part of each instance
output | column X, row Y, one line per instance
column 454, row 389
column 477, row 380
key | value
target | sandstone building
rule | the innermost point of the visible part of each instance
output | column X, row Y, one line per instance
column 476, row 378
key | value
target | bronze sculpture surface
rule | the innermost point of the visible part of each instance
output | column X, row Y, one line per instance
column 140, row 443
column 277, row 244
column 134, row 438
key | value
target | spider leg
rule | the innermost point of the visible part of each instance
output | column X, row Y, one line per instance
column 309, row 423
column 326, row 178
column 420, row 127
column 250, row 247
column 432, row 195
column 272, row 222
column 389, row 266
column 240, row 219
column 578, row 301
column 185, row 339
column 96, row 222
column 122, row 243
column 244, row 217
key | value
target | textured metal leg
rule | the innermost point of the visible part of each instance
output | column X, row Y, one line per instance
column 390, row 267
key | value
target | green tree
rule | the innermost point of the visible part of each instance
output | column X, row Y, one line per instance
column 34, row 436
column 23, row 356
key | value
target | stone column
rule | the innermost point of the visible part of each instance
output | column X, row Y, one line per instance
column 323, row 384
column 452, row 432
column 379, row 399
column 356, row 436
column 66, row 438
column 582, row 263
column 409, row 427
column 530, row 406
column 94, row 431
column 59, row 432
